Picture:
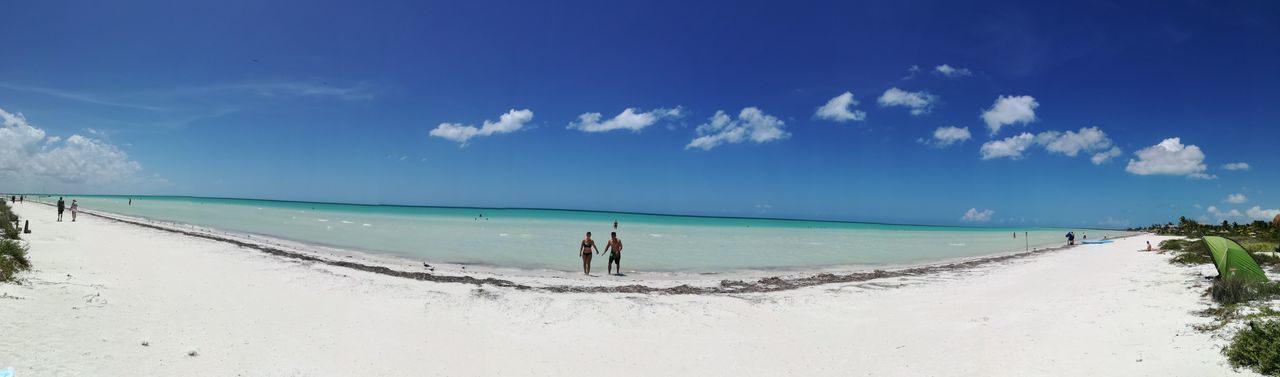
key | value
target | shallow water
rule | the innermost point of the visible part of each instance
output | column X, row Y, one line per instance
column 548, row 239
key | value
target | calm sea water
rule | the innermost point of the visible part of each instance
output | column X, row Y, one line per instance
column 548, row 239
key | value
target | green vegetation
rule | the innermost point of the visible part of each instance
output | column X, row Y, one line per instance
column 8, row 229
column 1257, row 347
column 1235, row 291
column 1188, row 252
column 13, row 258
column 13, row 255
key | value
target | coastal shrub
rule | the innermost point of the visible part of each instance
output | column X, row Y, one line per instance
column 1234, row 291
column 13, row 259
column 7, row 228
column 1256, row 347
column 1173, row 245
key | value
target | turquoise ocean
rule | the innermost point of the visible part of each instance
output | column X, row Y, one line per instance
column 548, row 239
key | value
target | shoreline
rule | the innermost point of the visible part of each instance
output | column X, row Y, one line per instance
column 752, row 281
column 107, row 297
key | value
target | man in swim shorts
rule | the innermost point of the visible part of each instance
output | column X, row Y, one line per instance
column 614, row 247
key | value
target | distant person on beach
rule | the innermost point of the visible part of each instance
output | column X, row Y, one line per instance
column 615, row 224
column 61, row 206
column 1149, row 246
column 75, row 208
column 585, row 250
column 614, row 248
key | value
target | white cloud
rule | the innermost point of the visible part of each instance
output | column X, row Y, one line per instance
column 974, row 215
column 28, row 156
column 1008, row 110
column 1169, row 157
column 512, row 121
column 1257, row 213
column 629, row 119
column 1011, row 147
column 1071, row 143
column 1104, row 156
column 949, row 71
column 1236, row 198
column 752, row 125
column 944, row 136
column 840, row 109
column 1220, row 215
column 1089, row 140
column 1236, row 166
column 912, row 72
column 919, row 102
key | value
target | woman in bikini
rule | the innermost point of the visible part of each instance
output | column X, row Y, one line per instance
column 584, row 249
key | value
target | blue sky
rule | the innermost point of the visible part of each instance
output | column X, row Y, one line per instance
column 388, row 103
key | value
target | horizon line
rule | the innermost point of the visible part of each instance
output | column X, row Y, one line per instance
column 574, row 210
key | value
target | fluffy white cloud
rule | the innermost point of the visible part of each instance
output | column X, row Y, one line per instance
column 629, row 119
column 1220, row 215
column 1008, row 110
column 1257, row 213
column 752, row 125
column 1236, row 166
column 944, row 136
column 840, row 109
column 1104, row 156
column 1087, row 139
column 27, row 156
column 974, row 215
column 1236, row 198
column 1011, row 147
column 512, row 121
column 1169, row 157
column 1070, row 143
column 949, row 71
column 919, row 102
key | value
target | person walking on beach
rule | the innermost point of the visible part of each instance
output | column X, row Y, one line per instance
column 584, row 250
column 1071, row 238
column 614, row 248
column 75, row 208
column 615, row 224
column 61, row 206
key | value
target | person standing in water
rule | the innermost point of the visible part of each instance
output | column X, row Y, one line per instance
column 61, row 207
column 130, row 201
column 614, row 248
column 584, row 250
column 75, row 208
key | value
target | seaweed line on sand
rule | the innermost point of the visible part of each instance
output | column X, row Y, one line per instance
column 763, row 285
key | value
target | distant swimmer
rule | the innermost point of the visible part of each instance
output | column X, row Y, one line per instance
column 584, row 250
column 614, row 248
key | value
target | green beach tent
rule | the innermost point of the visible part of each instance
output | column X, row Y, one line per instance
column 1232, row 260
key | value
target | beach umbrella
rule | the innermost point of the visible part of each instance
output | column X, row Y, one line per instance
column 1232, row 260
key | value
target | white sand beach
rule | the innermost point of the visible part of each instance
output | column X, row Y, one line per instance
column 112, row 299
